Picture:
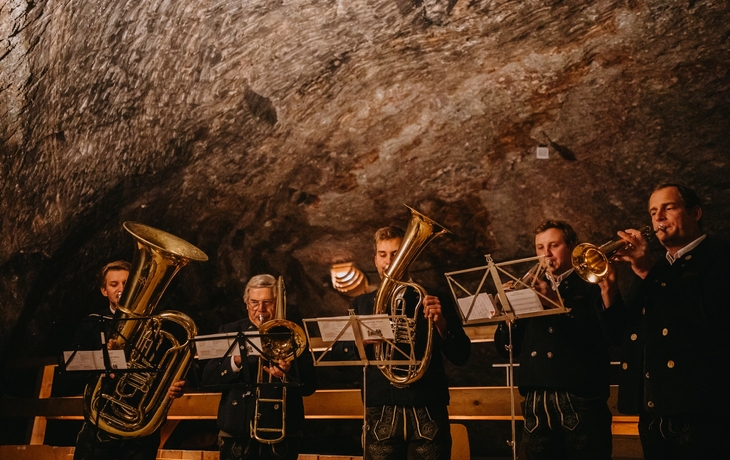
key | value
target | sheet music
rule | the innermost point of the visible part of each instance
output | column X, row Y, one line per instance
column 215, row 345
column 524, row 301
column 371, row 326
column 93, row 360
column 483, row 307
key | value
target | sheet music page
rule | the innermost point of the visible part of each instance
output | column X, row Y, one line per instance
column 93, row 360
column 524, row 301
column 215, row 345
column 81, row 361
column 483, row 307
column 370, row 326
column 375, row 327
column 116, row 359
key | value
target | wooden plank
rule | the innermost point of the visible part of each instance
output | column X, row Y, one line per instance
column 467, row 403
column 45, row 386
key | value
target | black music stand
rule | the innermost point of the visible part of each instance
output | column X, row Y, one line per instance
column 492, row 302
column 323, row 333
column 244, row 343
column 98, row 358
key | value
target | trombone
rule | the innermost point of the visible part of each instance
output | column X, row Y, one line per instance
column 280, row 340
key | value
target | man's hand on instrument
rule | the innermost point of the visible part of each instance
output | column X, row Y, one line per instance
column 280, row 370
column 176, row 389
column 635, row 252
column 432, row 309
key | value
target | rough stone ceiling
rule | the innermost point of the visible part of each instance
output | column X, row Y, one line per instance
column 278, row 135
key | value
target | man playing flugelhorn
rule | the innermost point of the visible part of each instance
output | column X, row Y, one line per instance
column 564, row 363
column 409, row 421
column 238, row 405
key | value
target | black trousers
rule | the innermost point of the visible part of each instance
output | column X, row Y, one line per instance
column 95, row 444
column 251, row 449
column 684, row 437
column 560, row 426
column 407, row 432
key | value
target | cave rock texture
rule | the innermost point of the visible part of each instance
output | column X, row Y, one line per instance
column 278, row 135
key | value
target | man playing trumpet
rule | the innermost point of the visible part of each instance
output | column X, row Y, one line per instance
column 564, row 362
column 672, row 373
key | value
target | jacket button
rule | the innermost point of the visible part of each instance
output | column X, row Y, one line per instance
column 670, row 364
column 650, row 404
column 646, row 375
column 665, row 331
column 234, row 403
column 664, row 285
column 533, row 354
column 688, row 256
column 551, row 330
column 550, row 354
column 624, row 366
column 643, row 311
column 346, row 349
column 224, row 373
column 634, row 337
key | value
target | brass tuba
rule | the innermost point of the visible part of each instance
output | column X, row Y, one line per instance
column 280, row 340
column 420, row 231
column 158, row 348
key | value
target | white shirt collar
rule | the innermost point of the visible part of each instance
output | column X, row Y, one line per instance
column 684, row 250
column 556, row 280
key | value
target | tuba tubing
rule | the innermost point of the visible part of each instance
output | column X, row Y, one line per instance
column 159, row 346
column 420, row 231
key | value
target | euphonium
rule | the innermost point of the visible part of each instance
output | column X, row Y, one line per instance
column 390, row 299
column 159, row 347
column 280, row 340
column 591, row 262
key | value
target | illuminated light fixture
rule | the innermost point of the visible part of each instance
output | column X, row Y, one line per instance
column 348, row 279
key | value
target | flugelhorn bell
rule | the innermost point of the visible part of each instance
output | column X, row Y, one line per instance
column 591, row 262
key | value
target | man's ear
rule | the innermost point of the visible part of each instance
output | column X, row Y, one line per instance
column 696, row 213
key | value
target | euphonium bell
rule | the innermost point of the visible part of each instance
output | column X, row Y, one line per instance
column 420, row 231
column 158, row 348
column 591, row 262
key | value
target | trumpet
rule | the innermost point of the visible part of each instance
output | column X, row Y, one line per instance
column 530, row 277
column 591, row 262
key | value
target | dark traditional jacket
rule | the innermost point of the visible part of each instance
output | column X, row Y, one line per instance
column 676, row 346
column 567, row 351
column 430, row 390
column 238, row 400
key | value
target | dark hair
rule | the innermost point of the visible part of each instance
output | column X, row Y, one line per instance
column 111, row 266
column 690, row 198
column 569, row 235
column 388, row 233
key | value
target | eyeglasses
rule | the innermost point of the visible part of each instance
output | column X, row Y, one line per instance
column 257, row 304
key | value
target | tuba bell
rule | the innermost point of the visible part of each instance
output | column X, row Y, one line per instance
column 158, row 348
column 591, row 261
column 390, row 299
column 280, row 340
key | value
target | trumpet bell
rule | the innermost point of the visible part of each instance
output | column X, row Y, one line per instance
column 590, row 262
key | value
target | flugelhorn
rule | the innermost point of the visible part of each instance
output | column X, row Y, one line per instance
column 421, row 230
column 280, row 340
column 591, row 262
column 158, row 348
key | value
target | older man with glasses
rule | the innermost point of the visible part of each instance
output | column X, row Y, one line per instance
column 237, row 408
